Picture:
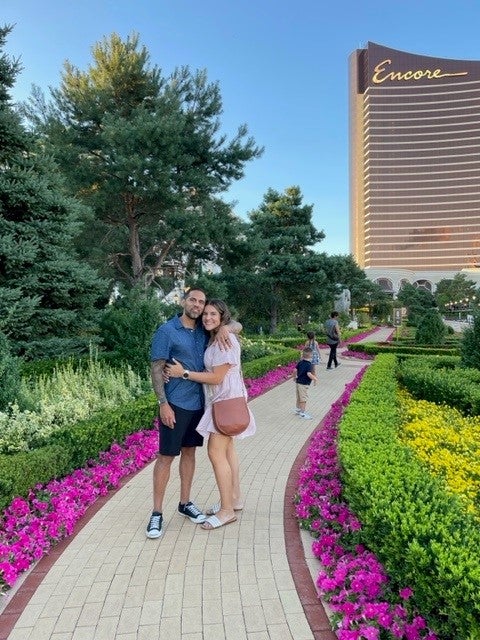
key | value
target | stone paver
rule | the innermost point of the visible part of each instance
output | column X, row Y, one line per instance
column 233, row 583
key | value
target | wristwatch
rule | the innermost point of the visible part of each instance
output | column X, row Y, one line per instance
column 186, row 374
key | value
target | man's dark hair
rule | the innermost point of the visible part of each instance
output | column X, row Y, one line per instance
column 188, row 291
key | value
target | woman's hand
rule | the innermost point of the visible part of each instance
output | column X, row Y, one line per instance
column 174, row 370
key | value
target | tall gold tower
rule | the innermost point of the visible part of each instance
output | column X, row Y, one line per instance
column 414, row 162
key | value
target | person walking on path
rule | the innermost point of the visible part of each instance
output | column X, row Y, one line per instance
column 314, row 346
column 303, row 375
column 222, row 380
column 332, row 329
column 180, row 404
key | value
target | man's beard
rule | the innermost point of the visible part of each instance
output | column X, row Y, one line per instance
column 193, row 315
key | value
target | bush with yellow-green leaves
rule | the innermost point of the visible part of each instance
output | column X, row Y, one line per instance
column 420, row 531
column 448, row 443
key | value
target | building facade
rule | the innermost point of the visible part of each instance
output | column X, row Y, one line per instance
column 414, row 166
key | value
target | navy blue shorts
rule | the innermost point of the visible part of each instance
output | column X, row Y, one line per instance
column 183, row 434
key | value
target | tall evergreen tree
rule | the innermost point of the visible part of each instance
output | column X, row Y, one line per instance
column 417, row 302
column 273, row 271
column 431, row 328
column 47, row 296
column 145, row 152
column 276, row 269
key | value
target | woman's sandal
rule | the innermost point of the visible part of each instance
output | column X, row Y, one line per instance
column 215, row 508
column 214, row 523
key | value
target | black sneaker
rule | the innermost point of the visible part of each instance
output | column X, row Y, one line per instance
column 154, row 526
column 192, row 512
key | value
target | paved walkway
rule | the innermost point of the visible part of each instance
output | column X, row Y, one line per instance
column 250, row 580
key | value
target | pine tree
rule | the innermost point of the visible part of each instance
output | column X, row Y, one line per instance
column 431, row 329
column 277, row 269
column 144, row 151
column 47, row 296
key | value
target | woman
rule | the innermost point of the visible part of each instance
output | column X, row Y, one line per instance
column 222, row 379
column 332, row 329
column 315, row 347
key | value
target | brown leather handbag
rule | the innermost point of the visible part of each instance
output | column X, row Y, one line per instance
column 231, row 416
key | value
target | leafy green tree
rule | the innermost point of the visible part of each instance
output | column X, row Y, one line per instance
column 47, row 296
column 417, row 302
column 431, row 329
column 453, row 290
column 145, row 152
column 365, row 293
column 127, row 327
column 470, row 346
column 346, row 274
column 273, row 273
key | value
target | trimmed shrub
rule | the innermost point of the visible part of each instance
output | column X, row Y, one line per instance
column 22, row 471
column 430, row 329
column 72, row 447
column 402, row 348
column 257, row 368
column 421, row 534
column 470, row 348
column 439, row 380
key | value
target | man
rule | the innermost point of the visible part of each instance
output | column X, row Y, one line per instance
column 332, row 329
column 180, row 404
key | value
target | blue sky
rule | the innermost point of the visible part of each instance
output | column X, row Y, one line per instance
column 282, row 67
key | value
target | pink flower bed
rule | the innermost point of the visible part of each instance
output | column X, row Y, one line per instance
column 257, row 386
column 354, row 583
column 358, row 354
column 30, row 527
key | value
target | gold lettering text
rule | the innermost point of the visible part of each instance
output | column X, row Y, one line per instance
column 381, row 74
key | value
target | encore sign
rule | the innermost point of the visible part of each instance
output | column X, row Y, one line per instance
column 381, row 74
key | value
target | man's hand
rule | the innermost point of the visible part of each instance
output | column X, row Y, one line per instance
column 167, row 416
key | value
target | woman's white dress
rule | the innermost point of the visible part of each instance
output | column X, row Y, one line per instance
column 232, row 386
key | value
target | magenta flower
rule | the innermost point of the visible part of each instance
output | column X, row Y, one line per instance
column 354, row 583
column 30, row 527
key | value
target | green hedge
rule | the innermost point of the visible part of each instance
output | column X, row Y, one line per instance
column 441, row 380
column 374, row 348
column 420, row 533
column 88, row 438
column 287, row 341
column 72, row 447
column 22, row 471
column 261, row 366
